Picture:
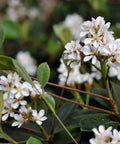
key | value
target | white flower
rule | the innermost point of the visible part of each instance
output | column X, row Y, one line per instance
column 90, row 53
column 85, row 28
column 72, row 53
column 7, row 84
column 33, row 13
column 101, row 132
column 112, row 48
column 96, row 32
column 16, row 10
column 73, row 22
column 35, row 91
column 105, row 136
column 7, row 111
column 21, row 89
column 96, row 141
column 18, row 102
column 19, row 120
column 24, row 110
column 39, row 117
column 27, row 61
column 116, row 137
column 102, row 135
column 115, row 71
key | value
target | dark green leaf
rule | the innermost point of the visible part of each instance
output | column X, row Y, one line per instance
column 64, row 112
column 10, row 29
column 50, row 100
column 2, row 37
column 90, row 121
column 22, row 72
column 3, row 137
column 33, row 140
column 62, row 33
column 102, row 92
column 73, row 119
column 43, row 74
column 7, row 63
column 116, row 94
column 23, row 133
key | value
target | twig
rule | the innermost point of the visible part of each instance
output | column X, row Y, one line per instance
column 81, row 91
column 82, row 105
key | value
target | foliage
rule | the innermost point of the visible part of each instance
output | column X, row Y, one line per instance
column 54, row 113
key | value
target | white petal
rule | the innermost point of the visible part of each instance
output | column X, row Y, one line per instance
column 23, row 102
column 87, row 40
column 34, row 113
column 94, row 60
column 15, row 123
column 115, row 132
column 41, row 113
column 101, row 129
column 43, row 118
column 82, row 34
column 92, row 141
column 95, row 131
column 96, row 44
column 13, row 91
column 87, row 58
column 25, row 93
column 15, row 105
column 12, row 114
column 18, row 95
column 5, row 95
column 39, row 122
column 4, row 117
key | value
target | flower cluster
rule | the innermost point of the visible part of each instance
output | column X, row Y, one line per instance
column 16, row 11
column 27, row 115
column 27, row 61
column 96, row 45
column 105, row 136
column 15, row 96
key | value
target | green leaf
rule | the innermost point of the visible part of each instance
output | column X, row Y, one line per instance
column 116, row 94
column 102, row 92
column 7, row 63
column 3, row 137
column 23, row 133
column 11, row 29
column 50, row 100
column 90, row 121
column 2, row 37
column 33, row 140
column 1, row 105
column 55, row 49
column 43, row 74
column 63, row 33
column 98, row 4
column 22, row 72
column 64, row 112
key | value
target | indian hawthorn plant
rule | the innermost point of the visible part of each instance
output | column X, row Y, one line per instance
column 22, row 96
